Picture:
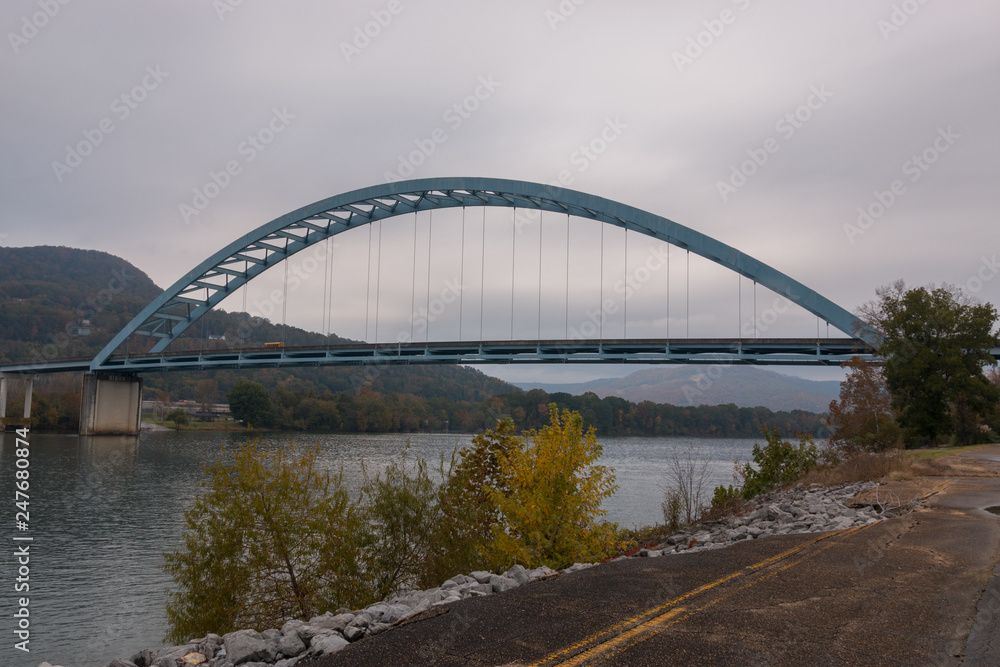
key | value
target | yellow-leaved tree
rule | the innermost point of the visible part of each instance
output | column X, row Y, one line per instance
column 550, row 508
column 270, row 536
column 467, row 504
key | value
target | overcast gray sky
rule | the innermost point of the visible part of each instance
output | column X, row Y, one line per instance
column 770, row 126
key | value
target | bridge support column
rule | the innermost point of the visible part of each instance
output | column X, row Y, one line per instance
column 27, row 399
column 111, row 404
column 14, row 422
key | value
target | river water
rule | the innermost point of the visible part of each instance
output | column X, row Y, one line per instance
column 104, row 510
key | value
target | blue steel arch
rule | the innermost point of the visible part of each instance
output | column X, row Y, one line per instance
column 202, row 288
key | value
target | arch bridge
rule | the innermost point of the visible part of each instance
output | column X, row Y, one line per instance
column 114, row 373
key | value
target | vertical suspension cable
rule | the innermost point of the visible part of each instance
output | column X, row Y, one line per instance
column 326, row 287
column 333, row 245
column 284, row 303
column 601, row 304
column 625, row 299
column 567, row 276
column 755, row 310
column 378, row 276
column 368, row 282
column 461, row 279
column 513, row 250
column 413, row 282
column 739, row 299
column 246, row 315
column 541, row 218
column 668, row 291
column 687, row 298
column 482, row 278
column 427, row 312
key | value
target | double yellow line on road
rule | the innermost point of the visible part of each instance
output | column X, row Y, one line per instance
column 610, row 641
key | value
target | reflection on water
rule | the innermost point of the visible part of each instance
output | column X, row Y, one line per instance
column 105, row 509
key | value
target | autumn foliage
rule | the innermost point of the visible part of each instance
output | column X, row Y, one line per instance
column 272, row 537
column 862, row 417
column 550, row 507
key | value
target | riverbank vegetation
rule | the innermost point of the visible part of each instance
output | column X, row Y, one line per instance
column 56, row 407
column 936, row 344
column 271, row 537
column 367, row 411
column 935, row 384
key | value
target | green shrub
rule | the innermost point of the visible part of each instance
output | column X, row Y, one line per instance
column 778, row 462
column 467, row 499
column 672, row 506
column 723, row 495
column 178, row 417
column 268, row 538
column 402, row 518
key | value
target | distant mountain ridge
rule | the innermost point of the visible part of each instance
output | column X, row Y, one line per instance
column 690, row 385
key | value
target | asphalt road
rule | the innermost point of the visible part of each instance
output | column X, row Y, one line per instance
column 920, row 589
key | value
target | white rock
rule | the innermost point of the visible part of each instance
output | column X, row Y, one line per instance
column 541, row 571
column 247, row 646
column 310, row 632
column 500, row 583
column 376, row 610
column 376, row 628
column 394, row 613
column 326, row 645
column 291, row 626
column 423, row 605
column 291, row 644
column 518, row 574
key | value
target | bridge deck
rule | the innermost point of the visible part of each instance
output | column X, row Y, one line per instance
column 772, row 351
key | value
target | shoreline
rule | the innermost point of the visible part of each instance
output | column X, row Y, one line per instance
column 797, row 510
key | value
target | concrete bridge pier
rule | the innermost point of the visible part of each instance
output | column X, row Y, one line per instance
column 27, row 399
column 110, row 404
column 27, row 402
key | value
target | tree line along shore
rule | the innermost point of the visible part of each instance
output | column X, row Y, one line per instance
column 368, row 411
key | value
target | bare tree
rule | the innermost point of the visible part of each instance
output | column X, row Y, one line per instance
column 687, row 479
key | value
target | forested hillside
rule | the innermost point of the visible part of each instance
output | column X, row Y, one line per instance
column 58, row 302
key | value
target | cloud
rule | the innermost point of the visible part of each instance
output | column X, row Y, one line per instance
column 355, row 117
